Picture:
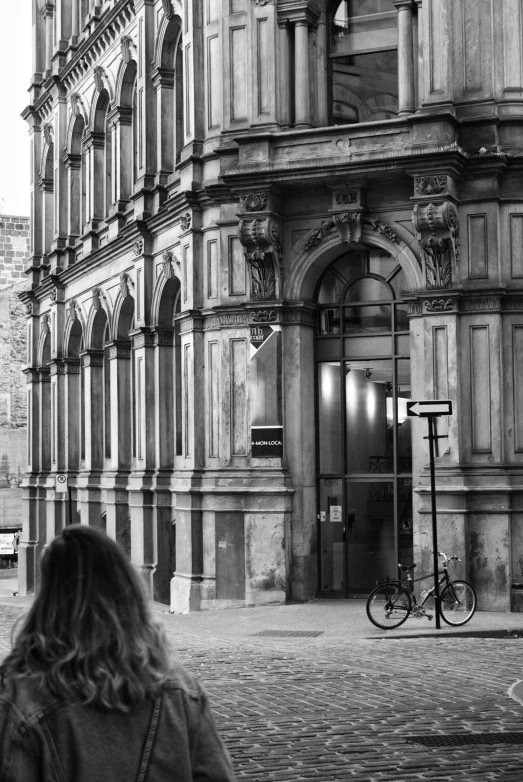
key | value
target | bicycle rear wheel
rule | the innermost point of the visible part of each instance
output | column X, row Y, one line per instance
column 388, row 605
column 457, row 603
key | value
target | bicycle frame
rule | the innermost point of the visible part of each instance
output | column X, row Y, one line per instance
column 445, row 579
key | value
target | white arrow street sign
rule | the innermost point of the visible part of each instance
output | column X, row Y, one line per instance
column 426, row 407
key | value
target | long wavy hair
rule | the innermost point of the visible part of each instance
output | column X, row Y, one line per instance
column 89, row 633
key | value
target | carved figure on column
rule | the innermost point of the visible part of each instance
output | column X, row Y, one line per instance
column 263, row 241
column 437, row 231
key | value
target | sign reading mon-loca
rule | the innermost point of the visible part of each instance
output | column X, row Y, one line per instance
column 267, row 441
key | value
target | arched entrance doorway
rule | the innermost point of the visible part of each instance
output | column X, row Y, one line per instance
column 364, row 456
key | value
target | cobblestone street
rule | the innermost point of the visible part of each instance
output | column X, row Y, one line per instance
column 305, row 707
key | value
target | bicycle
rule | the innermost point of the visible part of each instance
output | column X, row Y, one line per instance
column 392, row 602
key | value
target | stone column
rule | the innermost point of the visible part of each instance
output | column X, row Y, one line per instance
column 27, row 554
column 94, row 408
column 302, row 109
column 165, row 398
column 72, row 414
column 75, row 22
column 121, row 424
column 406, row 96
column 163, row 82
column 47, row 12
column 44, row 417
column 73, row 165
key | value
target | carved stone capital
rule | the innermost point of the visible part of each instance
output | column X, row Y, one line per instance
column 437, row 231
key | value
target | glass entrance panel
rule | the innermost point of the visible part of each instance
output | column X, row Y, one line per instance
column 369, row 416
column 329, row 412
column 332, row 536
column 370, row 534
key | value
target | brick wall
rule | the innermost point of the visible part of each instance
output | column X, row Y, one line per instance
column 14, row 252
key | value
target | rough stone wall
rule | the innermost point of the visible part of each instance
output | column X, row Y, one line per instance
column 14, row 251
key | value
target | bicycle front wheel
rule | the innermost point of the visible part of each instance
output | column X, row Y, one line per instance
column 388, row 605
column 457, row 603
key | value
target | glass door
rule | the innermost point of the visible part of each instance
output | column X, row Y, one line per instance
column 364, row 439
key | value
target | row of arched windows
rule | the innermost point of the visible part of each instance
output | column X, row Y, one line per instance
column 104, row 154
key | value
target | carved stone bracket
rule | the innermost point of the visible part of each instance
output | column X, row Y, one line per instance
column 138, row 247
column 263, row 241
column 168, row 264
column 437, row 231
column 46, row 323
column 72, row 309
column 125, row 282
column 185, row 221
column 349, row 225
column 97, row 296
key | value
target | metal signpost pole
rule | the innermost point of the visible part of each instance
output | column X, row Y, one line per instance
column 70, row 505
column 434, row 522
column 431, row 408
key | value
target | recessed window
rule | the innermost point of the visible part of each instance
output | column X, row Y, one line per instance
column 364, row 61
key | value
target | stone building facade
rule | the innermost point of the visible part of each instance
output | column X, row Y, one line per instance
column 258, row 228
column 14, row 254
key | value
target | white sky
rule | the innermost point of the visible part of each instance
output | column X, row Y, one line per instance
column 15, row 67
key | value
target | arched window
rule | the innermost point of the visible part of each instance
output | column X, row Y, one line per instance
column 363, row 61
column 103, row 156
column 364, row 452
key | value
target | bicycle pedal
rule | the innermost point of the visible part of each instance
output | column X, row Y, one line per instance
column 429, row 617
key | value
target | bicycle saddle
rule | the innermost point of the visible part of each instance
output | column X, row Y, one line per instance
column 406, row 567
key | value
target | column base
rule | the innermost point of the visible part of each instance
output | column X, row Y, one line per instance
column 185, row 594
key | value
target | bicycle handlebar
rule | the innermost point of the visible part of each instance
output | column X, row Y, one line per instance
column 448, row 559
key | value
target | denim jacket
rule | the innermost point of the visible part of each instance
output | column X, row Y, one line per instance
column 47, row 739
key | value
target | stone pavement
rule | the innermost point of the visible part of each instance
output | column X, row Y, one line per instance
column 352, row 703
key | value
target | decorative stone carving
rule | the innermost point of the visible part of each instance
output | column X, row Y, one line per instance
column 138, row 247
column 439, row 305
column 46, row 323
column 54, row 294
column 349, row 225
column 77, row 106
column 264, row 316
column 167, row 8
column 264, row 244
column 98, row 75
column 343, row 199
column 415, row 308
column 481, row 303
column 430, row 185
column 383, row 230
column 71, row 309
column 261, row 2
column 253, row 202
column 318, row 234
column 262, row 275
column 167, row 264
column 29, row 307
column 437, row 231
column 124, row 284
column 127, row 45
column 185, row 221
column 48, row 133
column 97, row 298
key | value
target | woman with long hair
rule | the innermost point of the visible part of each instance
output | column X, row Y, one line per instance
column 89, row 690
